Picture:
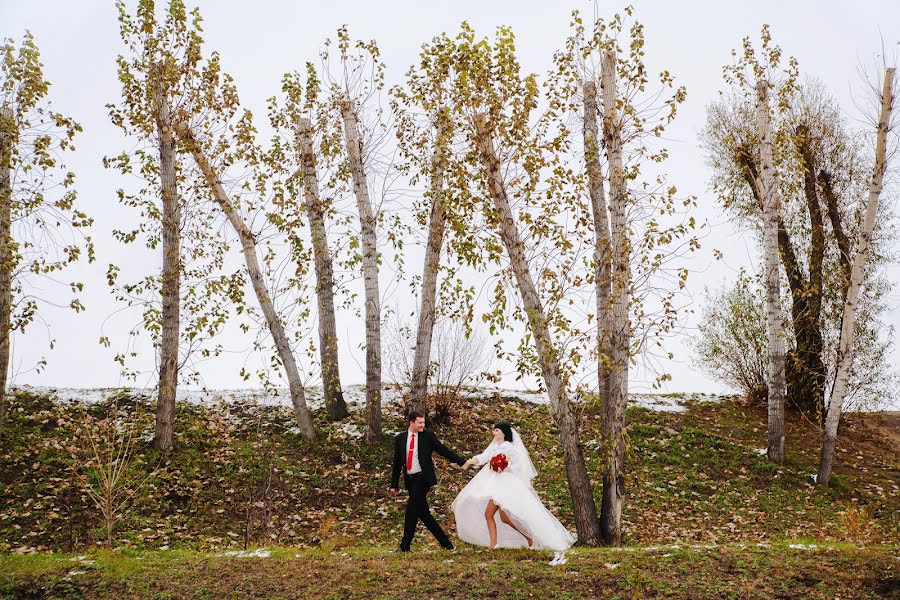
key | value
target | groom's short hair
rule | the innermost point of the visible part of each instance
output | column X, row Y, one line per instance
column 413, row 415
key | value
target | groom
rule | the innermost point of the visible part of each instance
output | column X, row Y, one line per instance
column 412, row 454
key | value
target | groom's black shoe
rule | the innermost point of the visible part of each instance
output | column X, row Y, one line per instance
column 447, row 545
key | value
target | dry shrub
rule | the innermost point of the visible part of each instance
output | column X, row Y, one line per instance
column 106, row 469
column 458, row 360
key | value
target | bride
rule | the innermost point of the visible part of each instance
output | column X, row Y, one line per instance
column 525, row 522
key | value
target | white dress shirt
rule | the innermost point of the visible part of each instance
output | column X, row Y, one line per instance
column 416, row 467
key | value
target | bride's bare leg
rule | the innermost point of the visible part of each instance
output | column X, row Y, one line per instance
column 489, row 513
column 505, row 518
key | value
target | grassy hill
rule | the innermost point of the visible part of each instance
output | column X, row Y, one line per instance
column 241, row 477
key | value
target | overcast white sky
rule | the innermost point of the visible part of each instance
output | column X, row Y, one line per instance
column 261, row 40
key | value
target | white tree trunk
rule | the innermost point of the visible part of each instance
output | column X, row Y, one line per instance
column 602, row 250
column 772, row 273
column 370, row 274
column 436, row 226
column 857, row 273
column 7, row 123
column 328, row 345
column 618, row 323
column 248, row 245
column 170, row 289
column 583, row 506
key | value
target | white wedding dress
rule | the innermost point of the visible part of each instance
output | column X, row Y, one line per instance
column 511, row 490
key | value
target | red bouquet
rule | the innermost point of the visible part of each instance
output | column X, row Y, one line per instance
column 499, row 462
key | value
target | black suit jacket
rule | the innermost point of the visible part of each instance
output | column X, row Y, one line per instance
column 428, row 443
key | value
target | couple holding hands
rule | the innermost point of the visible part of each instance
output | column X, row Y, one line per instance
column 502, row 487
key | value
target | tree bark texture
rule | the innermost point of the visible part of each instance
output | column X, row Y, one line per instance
column 772, row 278
column 170, row 288
column 370, row 272
column 315, row 212
column 616, row 403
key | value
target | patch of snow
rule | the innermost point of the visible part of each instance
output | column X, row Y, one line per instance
column 258, row 553
column 559, row 559
column 761, row 451
column 354, row 396
column 530, row 396
column 653, row 402
column 656, row 403
column 76, row 572
column 611, row 566
column 351, row 430
column 802, row 546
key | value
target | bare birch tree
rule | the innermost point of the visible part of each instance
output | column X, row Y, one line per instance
column 618, row 322
column 771, row 278
column 6, row 247
column 857, row 273
column 436, row 227
column 576, row 470
column 602, row 235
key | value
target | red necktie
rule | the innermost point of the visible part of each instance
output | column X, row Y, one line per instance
column 412, row 445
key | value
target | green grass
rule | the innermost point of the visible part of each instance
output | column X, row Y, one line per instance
column 369, row 572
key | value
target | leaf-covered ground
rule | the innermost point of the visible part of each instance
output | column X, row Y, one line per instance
column 241, row 475
column 697, row 573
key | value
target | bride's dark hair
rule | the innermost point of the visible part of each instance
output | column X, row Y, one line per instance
column 506, row 429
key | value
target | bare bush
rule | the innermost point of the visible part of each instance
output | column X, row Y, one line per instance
column 457, row 361
column 107, row 471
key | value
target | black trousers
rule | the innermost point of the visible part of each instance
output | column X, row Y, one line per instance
column 417, row 509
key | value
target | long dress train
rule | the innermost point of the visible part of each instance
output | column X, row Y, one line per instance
column 511, row 490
